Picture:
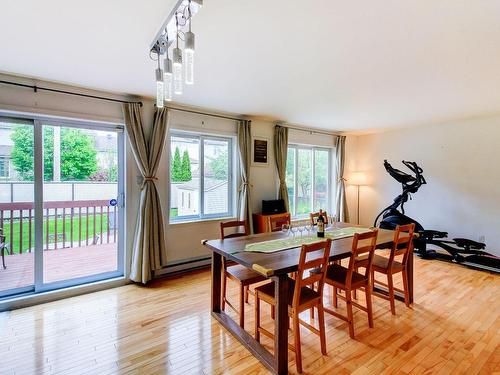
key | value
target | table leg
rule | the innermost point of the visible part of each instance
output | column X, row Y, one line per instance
column 281, row 324
column 216, row 282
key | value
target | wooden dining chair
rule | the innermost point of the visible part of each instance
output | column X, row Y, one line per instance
column 243, row 276
column 275, row 222
column 402, row 246
column 301, row 296
column 314, row 217
column 348, row 280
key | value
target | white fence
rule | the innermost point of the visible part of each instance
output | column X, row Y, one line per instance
column 58, row 191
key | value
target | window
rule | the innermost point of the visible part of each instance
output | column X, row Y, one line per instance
column 308, row 178
column 4, row 167
column 201, row 168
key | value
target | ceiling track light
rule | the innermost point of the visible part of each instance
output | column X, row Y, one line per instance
column 179, row 69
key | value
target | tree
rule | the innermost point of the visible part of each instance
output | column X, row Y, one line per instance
column 78, row 153
column 186, row 167
column 22, row 152
column 219, row 166
column 175, row 168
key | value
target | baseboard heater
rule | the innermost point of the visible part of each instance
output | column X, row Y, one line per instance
column 181, row 266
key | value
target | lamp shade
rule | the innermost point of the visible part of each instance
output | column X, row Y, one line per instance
column 357, row 178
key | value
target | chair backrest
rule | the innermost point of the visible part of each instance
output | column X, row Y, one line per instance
column 275, row 222
column 362, row 243
column 314, row 217
column 402, row 243
column 233, row 224
column 312, row 256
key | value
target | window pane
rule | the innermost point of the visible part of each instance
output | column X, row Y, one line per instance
column 304, row 188
column 184, row 176
column 290, row 178
column 321, row 174
column 17, row 229
column 216, row 176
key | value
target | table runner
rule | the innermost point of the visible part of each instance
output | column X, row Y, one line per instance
column 290, row 242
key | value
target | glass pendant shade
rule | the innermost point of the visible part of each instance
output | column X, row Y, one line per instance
column 168, row 79
column 159, row 88
column 177, row 71
column 189, row 61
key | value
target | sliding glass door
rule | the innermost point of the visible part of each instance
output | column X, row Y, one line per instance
column 17, row 207
column 67, row 187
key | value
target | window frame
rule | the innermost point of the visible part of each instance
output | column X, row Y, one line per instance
column 330, row 177
column 231, row 191
column 5, row 161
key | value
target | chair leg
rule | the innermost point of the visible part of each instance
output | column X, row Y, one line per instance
column 350, row 319
column 246, row 293
column 390, row 285
column 368, row 293
column 296, row 335
column 257, row 317
column 242, row 306
column 355, row 293
column 322, row 332
column 405, row 287
column 313, row 286
column 335, row 299
column 224, row 285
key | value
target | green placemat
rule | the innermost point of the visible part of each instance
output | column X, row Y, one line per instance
column 290, row 242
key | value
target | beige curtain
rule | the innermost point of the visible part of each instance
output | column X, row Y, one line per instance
column 280, row 154
column 149, row 252
column 245, row 156
column 341, row 209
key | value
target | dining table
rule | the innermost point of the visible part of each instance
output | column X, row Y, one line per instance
column 276, row 266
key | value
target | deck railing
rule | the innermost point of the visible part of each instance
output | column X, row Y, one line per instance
column 65, row 224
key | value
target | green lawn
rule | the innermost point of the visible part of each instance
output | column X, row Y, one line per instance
column 173, row 212
column 76, row 222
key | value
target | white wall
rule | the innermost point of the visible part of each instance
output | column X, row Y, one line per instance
column 459, row 160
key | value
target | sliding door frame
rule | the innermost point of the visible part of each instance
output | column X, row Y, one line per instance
column 38, row 122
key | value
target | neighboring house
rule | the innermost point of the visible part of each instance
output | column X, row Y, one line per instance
column 187, row 194
column 7, row 171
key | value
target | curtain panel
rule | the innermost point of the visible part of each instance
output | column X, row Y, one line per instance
column 341, row 210
column 245, row 156
column 280, row 155
column 149, row 250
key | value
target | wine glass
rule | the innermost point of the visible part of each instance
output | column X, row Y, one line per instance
column 285, row 228
column 334, row 221
column 300, row 228
column 308, row 227
column 293, row 229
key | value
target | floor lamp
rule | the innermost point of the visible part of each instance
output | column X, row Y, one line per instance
column 357, row 179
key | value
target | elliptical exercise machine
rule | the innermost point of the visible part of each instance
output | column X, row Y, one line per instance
column 459, row 250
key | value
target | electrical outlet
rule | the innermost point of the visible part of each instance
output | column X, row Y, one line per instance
column 482, row 238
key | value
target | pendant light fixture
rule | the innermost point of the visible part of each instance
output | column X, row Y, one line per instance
column 168, row 79
column 177, row 55
column 159, row 86
column 179, row 69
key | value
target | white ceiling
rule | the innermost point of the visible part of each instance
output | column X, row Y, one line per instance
column 335, row 64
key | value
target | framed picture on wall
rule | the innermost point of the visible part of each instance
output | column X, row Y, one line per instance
column 260, row 154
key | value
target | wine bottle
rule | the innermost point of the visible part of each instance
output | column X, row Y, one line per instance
column 321, row 225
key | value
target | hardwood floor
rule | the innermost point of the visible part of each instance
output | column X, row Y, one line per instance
column 452, row 328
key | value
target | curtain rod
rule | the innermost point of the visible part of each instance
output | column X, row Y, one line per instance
column 35, row 88
column 204, row 113
column 311, row 131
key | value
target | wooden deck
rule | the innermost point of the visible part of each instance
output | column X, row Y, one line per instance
column 61, row 264
column 166, row 328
